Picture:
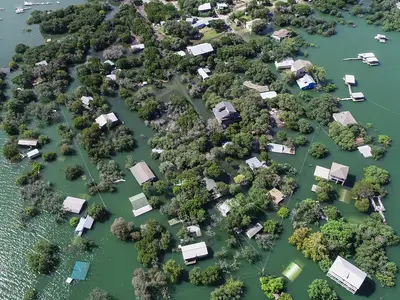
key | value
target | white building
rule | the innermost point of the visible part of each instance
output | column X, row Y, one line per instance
column 306, row 82
column 278, row 148
column 254, row 230
column 28, row 143
column 346, row 274
column 102, row 120
column 337, row 173
column 222, row 6
column 140, row 204
column 180, row 53
column 224, row 207
column 111, row 77
column 33, row 153
column 42, row 63
column 357, row 96
column 255, row 163
column 203, row 72
column 194, row 229
column 268, row 95
column 200, row 49
column 72, row 204
column 365, row 150
column 84, row 223
column 204, row 7
column 344, row 118
column 137, row 47
column 249, row 24
column 284, row 64
column 349, row 79
column 192, row 252
column 86, row 101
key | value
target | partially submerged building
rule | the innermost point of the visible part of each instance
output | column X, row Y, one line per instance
column 72, row 204
column 346, row 274
column 142, row 173
column 349, row 79
column 357, row 96
column 300, row 66
column 268, row 95
column 276, row 195
column 284, row 64
column 281, row 34
column 84, row 223
column 193, row 252
column 225, row 113
column 365, row 150
column 28, row 143
column 194, row 229
column 337, row 173
column 102, row 120
column 224, row 207
column 369, row 58
column 205, row 7
column 211, row 187
column 140, row 204
column 33, row 153
column 255, row 163
column 254, row 230
column 200, row 49
column 306, row 82
column 86, row 101
column 79, row 272
column 203, row 72
column 278, row 148
column 344, row 118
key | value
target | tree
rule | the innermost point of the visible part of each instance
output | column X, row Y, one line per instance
column 232, row 289
column 339, row 236
column 72, row 172
column 74, row 221
column 271, row 226
column 173, row 270
column 150, row 285
column 31, row 294
column 363, row 189
column 318, row 73
column 98, row 294
column 385, row 140
column 298, row 236
column 213, row 171
column 376, row 175
column 325, row 191
column 195, row 276
column 10, row 151
column 314, row 246
column 283, row 212
column 98, row 212
column 285, row 296
column 49, row 156
column 66, row 149
column 271, row 285
column 305, row 126
column 320, row 290
column 121, row 229
column 318, row 150
column 258, row 26
column 44, row 258
column 211, row 275
column 362, row 204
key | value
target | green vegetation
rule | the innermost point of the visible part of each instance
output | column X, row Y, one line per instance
column 271, row 285
column 121, row 229
column 44, row 258
column 50, row 156
column 151, row 284
column 98, row 294
column 74, row 221
column 320, row 290
column 318, row 150
column 73, row 172
column 283, row 212
column 172, row 270
column 231, row 289
column 31, row 294
column 98, row 212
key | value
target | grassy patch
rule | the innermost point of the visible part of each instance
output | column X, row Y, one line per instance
column 210, row 34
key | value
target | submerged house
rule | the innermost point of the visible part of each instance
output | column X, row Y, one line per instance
column 140, row 204
column 278, row 148
column 28, row 143
column 193, row 252
column 344, row 118
column 224, row 207
column 203, row 72
column 346, row 274
column 254, row 230
column 306, row 82
column 102, row 120
column 337, row 173
column 255, row 163
column 284, row 64
column 211, row 187
column 84, row 223
column 72, row 204
column 300, row 66
column 276, row 195
column 86, row 101
column 200, row 49
column 281, row 34
column 225, row 113
column 142, row 173
column 33, row 153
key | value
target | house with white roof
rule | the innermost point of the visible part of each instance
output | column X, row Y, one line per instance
column 203, row 72
column 222, row 6
column 281, row 34
column 28, row 143
column 346, row 274
column 268, row 95
column 205, row 7
column 349, row 79
column 142, row 173
column 365, row 150
column 111, row 77
column 72, row 204
column 102, row 120
column 300, row 66
column 284, row 64
column 251, row 232
column 200, row 49
column 180, row 53
column 306, row 82
column 109, row 62
column 255, row 163
column 84, row 223
column 337, row 173
column 224, row 207
column 140, row 204
column 137, row 47
column 344, row 118
column 193, row 252
column 86, row 101
column 33, row 153
column 278, row 148
column 357, row 96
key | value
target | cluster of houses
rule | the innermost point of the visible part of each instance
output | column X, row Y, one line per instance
column 32, row 144
column 299, row 68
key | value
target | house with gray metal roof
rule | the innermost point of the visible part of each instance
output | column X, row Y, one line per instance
column 225, row 113
column 142, row 173
column 344, row 118
column 192, row 252
column 346, row 274
column 200, row 49
column 140, row 204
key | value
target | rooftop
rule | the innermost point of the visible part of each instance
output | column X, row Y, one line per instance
column 365, row 151
column 210, row 184
column 300, row 64
column 142, row 173
column 268, row 95
column 84, row 223
column 104, row 119
column 278, row 148
column 194, row 251
column 305, row 82
column 347, row 273
column 137, row 47
column 33, row 153
column 224, row 207
column 254, row 163
column 86, row 99
column 112, row 77
column 140, row 204
column 74, row 205
column 28, row 143
column 339, row 171
column 42, row 63
column 357, row 95
column 194, row 229
column 321, row 172
column 80, row 270
column 256, row 87
column 350, row 79
column 276, row 195
column 254, row 230
column 223, row 110
column 200, row 49
column 344, row 118
column 284, row 64
column 282, row 33
column 203, row 72
column 109, row 62
column 205, row 6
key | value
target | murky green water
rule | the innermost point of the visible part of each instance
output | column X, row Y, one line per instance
column 113, row 263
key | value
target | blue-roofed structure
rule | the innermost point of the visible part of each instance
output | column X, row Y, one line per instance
column 80, row 270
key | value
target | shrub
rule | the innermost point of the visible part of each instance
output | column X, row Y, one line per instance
column 50, row 156
column 74, row 221
column 318, row 150
column 73, row 172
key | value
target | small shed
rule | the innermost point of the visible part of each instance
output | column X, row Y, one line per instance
column 180, row 53
column 284, row 64
column 192, row 252
column 276, row 195
column 366, row 151
column 222, row 6
column 80, row 270
column 254, row 230
column 349, row 79
column 203, row 72
column 140, row 204
column 33, row 153
column 142, row 173
column 268, row 95
column 28, row 143
column 278, row 148
column 194, row 229
column 137, row 47
column 72, row 204
column 84, row 223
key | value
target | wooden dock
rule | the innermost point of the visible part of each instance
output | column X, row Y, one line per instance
column 352, row 58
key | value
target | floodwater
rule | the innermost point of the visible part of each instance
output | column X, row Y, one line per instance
column 113, row 263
